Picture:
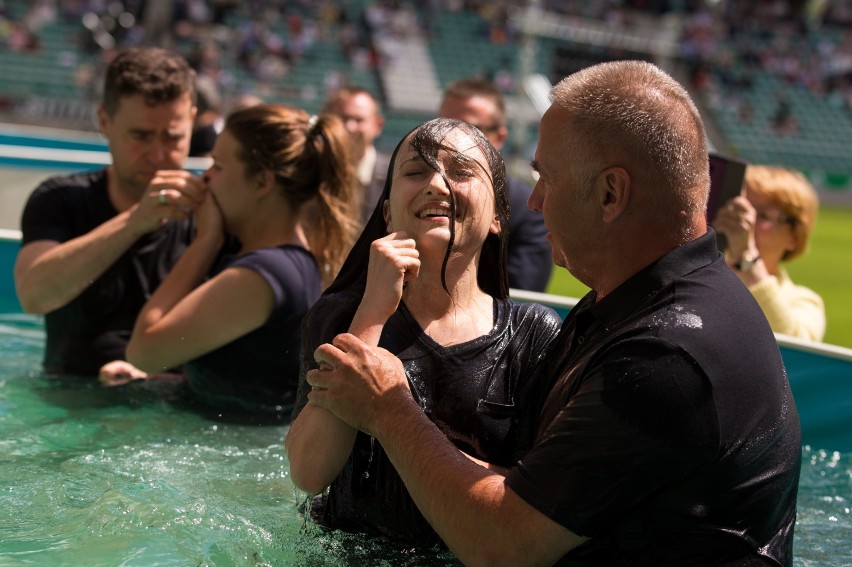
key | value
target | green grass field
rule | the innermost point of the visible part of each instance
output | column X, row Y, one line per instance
column 826, row 268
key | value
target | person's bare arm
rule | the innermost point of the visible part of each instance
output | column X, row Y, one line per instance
column 184, row 317
column 480, row 518
column 205, row 319
column 737, row 220
column 486, row 465
column 318, row 444
column 49, row 274
column 394, row 260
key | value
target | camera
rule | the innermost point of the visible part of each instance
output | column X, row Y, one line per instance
column 726, row 181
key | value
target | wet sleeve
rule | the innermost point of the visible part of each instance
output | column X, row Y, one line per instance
column 285, row 276
column 544, row 324
column 330, row 316
column 46, row 215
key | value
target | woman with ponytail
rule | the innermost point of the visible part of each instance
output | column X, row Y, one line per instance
column 282, row 186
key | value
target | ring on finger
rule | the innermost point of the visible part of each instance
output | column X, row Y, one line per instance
column 163, row 197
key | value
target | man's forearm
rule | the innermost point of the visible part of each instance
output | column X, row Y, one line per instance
column 481, row 520
column 477, row 515
column 48, row 278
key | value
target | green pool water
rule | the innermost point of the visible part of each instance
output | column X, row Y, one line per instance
column 129, row 476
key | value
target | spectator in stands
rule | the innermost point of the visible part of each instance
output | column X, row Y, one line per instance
column 208, row 120
column 233, row 320
column 666, row 430
column 480, row 103
column 426, row 280
column 362, row 116
column 20, row 38
column 244, row 100
column 769, row 224
column 95, row 245
column 783, row 121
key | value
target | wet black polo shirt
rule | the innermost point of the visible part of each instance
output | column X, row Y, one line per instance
column 667, row 432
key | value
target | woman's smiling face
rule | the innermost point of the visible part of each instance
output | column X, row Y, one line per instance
column 429, row 192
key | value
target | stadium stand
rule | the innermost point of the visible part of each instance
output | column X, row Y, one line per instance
column 775, row 87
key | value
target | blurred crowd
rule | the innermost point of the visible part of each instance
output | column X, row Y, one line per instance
column 806, row 44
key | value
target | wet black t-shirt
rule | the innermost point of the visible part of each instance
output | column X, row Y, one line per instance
column 94, row 327
column 467, row 390
column 254, row 378
column 667, row 432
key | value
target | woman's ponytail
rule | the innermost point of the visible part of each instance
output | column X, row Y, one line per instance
column 333, row 223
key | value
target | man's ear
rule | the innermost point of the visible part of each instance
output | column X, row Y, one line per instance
column 615, row 192
column 103, row 121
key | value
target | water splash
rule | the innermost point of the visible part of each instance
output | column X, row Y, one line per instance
column 686, row 319
column 92, row 476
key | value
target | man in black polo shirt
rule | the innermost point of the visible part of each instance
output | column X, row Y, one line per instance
column 96, row 245
column 664, row 428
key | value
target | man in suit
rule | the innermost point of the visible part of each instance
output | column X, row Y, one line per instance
column 362, row 115
column 480, row 103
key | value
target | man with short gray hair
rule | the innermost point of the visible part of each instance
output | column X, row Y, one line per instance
column 662, row 429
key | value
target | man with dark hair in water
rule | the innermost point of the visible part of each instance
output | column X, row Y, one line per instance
column 96, row 245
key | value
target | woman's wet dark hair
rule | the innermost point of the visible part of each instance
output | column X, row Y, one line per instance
column 428, row 140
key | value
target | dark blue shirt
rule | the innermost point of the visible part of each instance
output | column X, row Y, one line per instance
column 256, row 376
column 528, row 252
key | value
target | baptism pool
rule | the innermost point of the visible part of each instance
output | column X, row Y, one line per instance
column 93, row 476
